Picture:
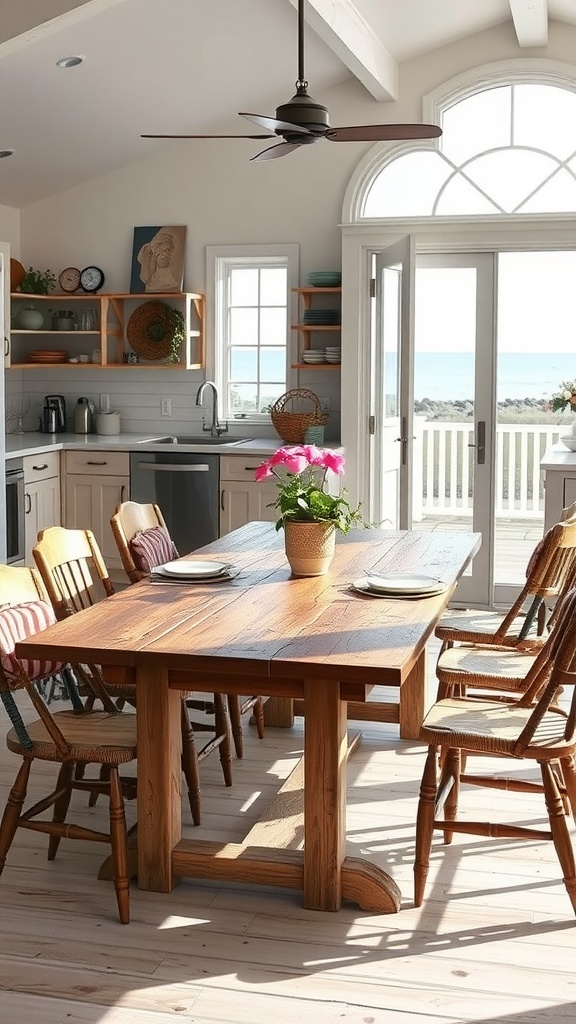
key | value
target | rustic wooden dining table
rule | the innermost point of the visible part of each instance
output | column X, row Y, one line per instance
column 312, row 639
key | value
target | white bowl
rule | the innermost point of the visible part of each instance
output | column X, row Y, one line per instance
column 569, row 441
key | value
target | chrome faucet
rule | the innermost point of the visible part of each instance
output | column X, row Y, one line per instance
column 216, row 428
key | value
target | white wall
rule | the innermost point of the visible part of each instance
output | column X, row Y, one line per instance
column 212, row 187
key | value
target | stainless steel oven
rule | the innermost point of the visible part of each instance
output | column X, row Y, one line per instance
column 14, row 510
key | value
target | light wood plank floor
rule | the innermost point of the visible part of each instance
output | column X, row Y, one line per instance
column 493, row 943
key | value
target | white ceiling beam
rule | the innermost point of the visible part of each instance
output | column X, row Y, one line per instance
column 530, row 21
column 23, row 23
column 341, row 26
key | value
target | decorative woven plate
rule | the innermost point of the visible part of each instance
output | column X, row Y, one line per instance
column 48, row 356
column 149, row 330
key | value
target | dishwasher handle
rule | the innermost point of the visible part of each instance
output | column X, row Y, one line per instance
column 170, row 467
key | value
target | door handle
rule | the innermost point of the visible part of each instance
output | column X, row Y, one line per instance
column 480, row 444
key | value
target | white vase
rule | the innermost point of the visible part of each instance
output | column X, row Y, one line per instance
column 309, row 547
column 573, row 427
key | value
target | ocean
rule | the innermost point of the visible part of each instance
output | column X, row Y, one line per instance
column 442, row 376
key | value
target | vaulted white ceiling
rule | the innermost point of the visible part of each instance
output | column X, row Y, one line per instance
column 187, row 66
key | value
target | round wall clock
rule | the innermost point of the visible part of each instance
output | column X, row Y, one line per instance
column 91, row 279
column 69, row 279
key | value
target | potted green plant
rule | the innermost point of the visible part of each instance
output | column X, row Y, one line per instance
column 37, row 282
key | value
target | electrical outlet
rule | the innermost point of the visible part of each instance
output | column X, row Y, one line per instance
column 104, row 403
column 166, row 406
column 325, row 404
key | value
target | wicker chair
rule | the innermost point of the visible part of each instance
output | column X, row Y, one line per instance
column 132, row 521
column 531, row 727
column 75, row 575
column 550, row 573
column 74, row 738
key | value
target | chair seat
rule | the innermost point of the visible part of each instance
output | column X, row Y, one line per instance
column 478, row 627
column 492, row 727
column 496, row 668
column 97, row 737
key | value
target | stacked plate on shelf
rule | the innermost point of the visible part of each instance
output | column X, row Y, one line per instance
column 325, row 279
column 314, row 355
column 321, row 317
column 46, row 355
column 333, row 354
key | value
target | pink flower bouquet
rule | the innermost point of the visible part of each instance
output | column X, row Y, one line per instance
column 300, row 472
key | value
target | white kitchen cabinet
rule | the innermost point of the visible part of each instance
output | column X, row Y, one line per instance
column 94, row 485
column 41, row 497
column 242, row 500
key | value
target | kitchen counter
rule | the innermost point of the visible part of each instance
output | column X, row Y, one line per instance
column 34, row 443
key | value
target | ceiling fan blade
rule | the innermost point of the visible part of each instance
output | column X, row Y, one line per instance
column 383, row 132
column 276, row 126
column 204, row 136
column 281, row 149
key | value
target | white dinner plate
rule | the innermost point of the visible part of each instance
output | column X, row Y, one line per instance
column 157, row 576
column 193, row 568
column 365, row 586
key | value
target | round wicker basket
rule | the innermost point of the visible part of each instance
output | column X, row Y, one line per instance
column 290, row 420
column 149, row 330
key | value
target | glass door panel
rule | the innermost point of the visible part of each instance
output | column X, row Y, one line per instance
column 451, row 427
column 535, row 327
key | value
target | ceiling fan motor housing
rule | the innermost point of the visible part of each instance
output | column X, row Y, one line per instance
column 303, row 110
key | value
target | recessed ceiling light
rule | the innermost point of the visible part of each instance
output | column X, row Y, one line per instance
column 5, row 152
column 69, row 62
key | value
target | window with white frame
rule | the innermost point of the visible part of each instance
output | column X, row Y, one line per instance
column 507, row 148
column 252, row 302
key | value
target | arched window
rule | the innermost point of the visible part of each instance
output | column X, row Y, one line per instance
column 506, row 149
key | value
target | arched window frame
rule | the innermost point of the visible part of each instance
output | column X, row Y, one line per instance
column 434, row 103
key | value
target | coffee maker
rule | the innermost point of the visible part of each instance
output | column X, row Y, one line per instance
column 54, row 414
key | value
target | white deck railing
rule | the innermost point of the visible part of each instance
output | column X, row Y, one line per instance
column 446, row 460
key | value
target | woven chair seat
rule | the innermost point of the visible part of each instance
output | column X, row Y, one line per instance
column 492, row 727
column 494, row 668
column 118, row 731
column 479, row 628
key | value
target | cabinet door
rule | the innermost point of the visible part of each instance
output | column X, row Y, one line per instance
column 244, row 502
column 91, row 501
column 42, row 507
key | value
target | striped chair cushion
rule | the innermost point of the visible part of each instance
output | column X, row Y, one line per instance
column 17, row 623
column 152, row 547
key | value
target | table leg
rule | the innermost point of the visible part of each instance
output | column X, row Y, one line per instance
column 413, row 700
column 159, row 777
column 325, row 753
column 279, row 712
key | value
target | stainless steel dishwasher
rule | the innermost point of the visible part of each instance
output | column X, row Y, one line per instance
column 186, row 487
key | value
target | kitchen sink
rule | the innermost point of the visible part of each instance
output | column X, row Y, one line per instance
column 203, row 439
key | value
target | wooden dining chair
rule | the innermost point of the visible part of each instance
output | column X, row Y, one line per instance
column 74, row 738
column 144, row 542
column 75, row 575
column 531, row 727
column 550, row 572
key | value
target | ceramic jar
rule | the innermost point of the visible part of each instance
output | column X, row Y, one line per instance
column 30, row 319
column 309, row 547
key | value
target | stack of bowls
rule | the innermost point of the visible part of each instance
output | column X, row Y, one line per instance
column 313, row 355
column 325, row 279
column 333, row 354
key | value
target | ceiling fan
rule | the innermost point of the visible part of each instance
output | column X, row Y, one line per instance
column 302, row 121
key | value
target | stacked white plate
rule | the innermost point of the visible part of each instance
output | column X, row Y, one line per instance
column 333, row 354
column 196, row 570
column 314, row 355
column 399, row 584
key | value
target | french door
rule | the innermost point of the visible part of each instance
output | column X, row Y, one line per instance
column 433, row 346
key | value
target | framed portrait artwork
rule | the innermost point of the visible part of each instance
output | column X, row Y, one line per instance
column 158, row 259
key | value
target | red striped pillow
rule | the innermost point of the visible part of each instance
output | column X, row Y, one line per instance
column 17, row 623
column 152, row 547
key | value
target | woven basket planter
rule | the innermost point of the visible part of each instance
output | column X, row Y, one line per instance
column 294, row 412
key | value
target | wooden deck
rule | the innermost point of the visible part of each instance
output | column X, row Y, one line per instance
column 493, row 943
